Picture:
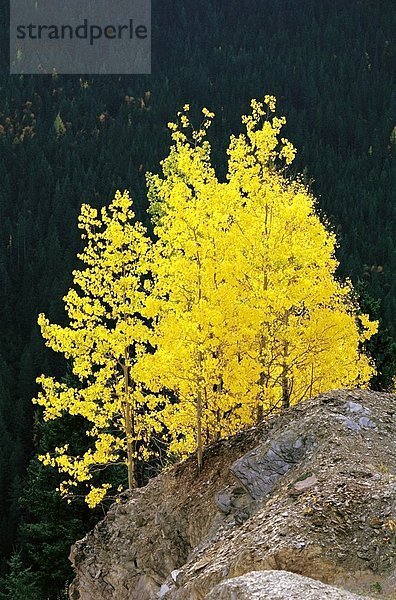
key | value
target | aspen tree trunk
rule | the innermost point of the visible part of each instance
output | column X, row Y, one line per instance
column 218, row 420
column 260, row 409
column 285, row 382
column 200, row 378
column 199, row 430
column 199, row 414
column 312, row 381
column 285, row 379
column 130, row 432
column 219, row 389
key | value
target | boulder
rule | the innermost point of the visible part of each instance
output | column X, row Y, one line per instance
column 277, row 585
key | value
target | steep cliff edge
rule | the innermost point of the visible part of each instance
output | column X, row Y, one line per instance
column 312, row 491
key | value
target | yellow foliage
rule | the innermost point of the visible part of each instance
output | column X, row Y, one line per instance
column 105, row 335
column 246, row 313
column 250, row 316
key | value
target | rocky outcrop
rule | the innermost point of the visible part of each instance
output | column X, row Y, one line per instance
column 260, row 469
column 277, row 585
column 311, row 491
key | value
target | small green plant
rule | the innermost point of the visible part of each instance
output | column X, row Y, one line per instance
column 376, row 587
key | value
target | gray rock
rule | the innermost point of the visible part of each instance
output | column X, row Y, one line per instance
column 349, row 423
column 234, row 500
column 355, row 407
column 361, row 419
column 163, row 591
column 357, row 422
column 260, row 469
column 223, row 501
column 277, row 585
column 366, row 423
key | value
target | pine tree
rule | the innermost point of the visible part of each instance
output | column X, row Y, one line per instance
column 59, row 126
column 19, row 583
column 49, row 525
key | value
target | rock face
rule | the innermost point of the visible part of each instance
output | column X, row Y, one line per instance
column 311, row 492
column 261, row 468
column 277, row 585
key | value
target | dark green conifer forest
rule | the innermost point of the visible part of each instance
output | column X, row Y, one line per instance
column 65, row 140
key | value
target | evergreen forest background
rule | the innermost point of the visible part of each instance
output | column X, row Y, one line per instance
column 65, row 140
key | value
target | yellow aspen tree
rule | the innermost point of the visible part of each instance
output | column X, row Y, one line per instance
column 250, row 315
column 104, row 338
column 192, row 332
column 305, row 333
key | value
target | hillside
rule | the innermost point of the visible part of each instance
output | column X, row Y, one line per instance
column 312, row 491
